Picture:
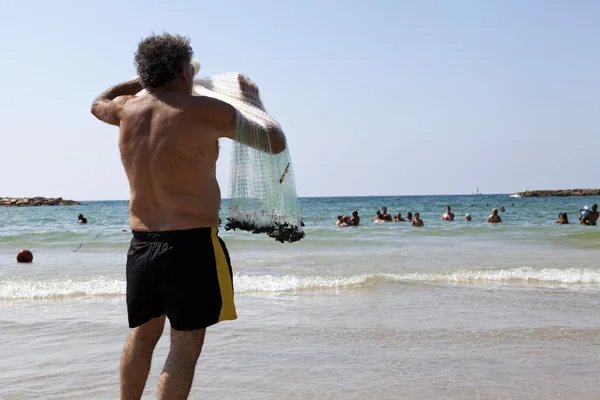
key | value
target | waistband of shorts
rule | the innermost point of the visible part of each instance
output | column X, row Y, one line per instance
column 169, row 236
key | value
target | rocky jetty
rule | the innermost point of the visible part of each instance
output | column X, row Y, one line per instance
column 35, row 201
column 559, row 193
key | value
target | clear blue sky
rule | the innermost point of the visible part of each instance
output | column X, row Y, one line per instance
column 376, row 98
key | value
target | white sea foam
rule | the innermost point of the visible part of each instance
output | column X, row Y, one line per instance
column 101, row 286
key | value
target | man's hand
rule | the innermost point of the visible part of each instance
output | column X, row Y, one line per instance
column 108, row 106
column 250, row 92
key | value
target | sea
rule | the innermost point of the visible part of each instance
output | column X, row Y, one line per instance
column 452, row 310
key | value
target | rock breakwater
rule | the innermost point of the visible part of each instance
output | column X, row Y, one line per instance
column 559, row 193
column 35, row 201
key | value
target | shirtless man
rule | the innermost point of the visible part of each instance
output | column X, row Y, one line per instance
column 593, row 215
column 448, row 216
column 417, row 222
column 177, row 266
column 398, row 218
column 386, row 217
column 494, row 218
column 355, row 220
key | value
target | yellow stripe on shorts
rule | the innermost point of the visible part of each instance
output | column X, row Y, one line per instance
column 225, row 280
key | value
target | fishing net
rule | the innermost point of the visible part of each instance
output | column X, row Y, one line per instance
column 262, row 188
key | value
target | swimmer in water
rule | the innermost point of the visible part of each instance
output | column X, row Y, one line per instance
column 409, row 217
column 81, row 219
column 584, row 217
column 494, row 218
column 398, row 218
column 342, row 220
column 417, row 222
column 593, row 215
column 378, row 216
column 448, row 216
column 468, row 217
column 502, row 209
column 562, row 219
column 355, row 220
column 386, row 217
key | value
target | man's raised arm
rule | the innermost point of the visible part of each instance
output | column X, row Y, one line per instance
column 108, row 106
column 225, row 117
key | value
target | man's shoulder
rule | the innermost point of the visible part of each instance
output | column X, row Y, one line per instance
column 212, row 111
column 136, row 105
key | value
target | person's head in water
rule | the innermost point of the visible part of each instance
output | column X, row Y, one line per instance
column 164, row 62
column 468, row 217
column 594, row 207
column 494, row 211
column 502, row 209
column 81, row 219
column 354, row 214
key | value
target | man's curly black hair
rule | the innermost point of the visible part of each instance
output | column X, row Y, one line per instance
column 159, row 59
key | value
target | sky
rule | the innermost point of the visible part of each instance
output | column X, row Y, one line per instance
column 376, row 98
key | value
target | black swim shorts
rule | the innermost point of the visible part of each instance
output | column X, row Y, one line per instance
column 184, row 274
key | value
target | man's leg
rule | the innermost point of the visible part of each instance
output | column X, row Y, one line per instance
column 177, row 376
column 137, row 357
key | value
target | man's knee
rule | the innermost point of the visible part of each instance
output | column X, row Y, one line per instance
column 187, row 344
column 150, row 332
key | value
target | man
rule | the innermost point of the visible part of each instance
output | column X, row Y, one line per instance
column 448, row 216
column 177, row 266
column 355, row 220
column 593, row 215
column 494, row 218
column 417, row 221
column 384, row 215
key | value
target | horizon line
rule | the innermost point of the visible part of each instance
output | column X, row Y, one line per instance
column 349, row 196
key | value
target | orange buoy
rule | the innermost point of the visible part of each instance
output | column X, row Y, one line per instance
column 25, row 256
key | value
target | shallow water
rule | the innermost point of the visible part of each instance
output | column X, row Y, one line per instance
column 381, row 311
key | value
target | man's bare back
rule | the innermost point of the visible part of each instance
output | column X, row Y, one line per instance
column 494, row 217
column 170, row 161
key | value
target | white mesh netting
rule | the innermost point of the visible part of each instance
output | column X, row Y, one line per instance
column 262, row 188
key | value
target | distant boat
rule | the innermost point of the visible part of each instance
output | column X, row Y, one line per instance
column 477, row 192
